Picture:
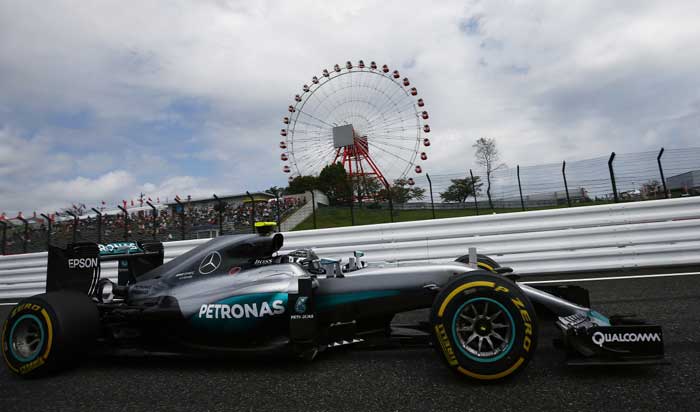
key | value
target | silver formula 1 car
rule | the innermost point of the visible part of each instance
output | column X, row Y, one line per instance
column 239, row 294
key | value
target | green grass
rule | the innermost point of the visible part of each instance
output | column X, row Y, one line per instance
column 340, row 216
column 334, row 216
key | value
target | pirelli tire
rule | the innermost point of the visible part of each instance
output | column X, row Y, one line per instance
column 483, row 326
column 49, row 332
column 482, row 261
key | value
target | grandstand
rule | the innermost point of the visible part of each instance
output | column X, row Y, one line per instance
column 193, row 218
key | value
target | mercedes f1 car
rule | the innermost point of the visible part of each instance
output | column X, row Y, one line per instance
column 239, row 294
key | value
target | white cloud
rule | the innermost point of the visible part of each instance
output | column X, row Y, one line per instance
column 569, row 81
column 58, row 194
column 181, row 185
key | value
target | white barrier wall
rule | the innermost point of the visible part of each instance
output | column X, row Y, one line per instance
column 651, row 233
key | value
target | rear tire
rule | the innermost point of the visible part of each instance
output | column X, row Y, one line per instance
column 48, row 332
column 483, row 326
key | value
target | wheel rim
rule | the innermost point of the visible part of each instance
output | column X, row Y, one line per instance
column 484, row 329
column 26, row 338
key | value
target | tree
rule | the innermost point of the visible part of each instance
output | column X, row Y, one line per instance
column 487, row 156
column 366, row 187
column 333, row 181
column 461, row 189
column 277, row 191
column 401, row 192
column 301, row 184
column 651, row 189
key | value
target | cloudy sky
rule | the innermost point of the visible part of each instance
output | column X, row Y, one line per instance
column 103, row 100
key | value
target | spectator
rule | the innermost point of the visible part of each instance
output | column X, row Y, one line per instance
column 236, row 218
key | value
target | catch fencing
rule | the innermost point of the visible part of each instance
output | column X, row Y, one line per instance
column 182, row 220
column 615, row 236
column 614, row 178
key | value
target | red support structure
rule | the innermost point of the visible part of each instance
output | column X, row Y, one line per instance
column 358, row 153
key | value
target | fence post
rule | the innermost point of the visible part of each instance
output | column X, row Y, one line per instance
column 359, row 190
column 488, row 191
column 476, row 204
column 48, row 230
column 252, row 213
column 221, row 214
column 126, row 222
column 520, row 188
column 4, row 236
column 391, row 202
column 277, row 202
column 432, row 203
column 26, row 233
column 99, row 225
column 313, row 206
column 352, row 206
column 182, row 218
column 661, row 171
column 154, row 214
column 566, row 186
column 75, row 225
column 612, row 176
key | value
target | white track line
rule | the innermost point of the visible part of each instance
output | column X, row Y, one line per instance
column 656, row 275
column 537, row 282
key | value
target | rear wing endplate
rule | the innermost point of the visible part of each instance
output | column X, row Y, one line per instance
column 77, row 266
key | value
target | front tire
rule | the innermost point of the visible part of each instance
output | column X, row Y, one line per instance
column 482, row 262
column 48, row 332
column 484, row 326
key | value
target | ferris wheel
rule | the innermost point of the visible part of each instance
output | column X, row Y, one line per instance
column 368, row 118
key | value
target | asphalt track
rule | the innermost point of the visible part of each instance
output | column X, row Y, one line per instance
column 395, row 379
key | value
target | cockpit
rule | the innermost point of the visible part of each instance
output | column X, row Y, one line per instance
column 315, row 265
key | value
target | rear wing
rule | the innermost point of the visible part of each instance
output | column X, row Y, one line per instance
column 77, row 266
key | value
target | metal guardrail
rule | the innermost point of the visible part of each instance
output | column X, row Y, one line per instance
column 615, row 236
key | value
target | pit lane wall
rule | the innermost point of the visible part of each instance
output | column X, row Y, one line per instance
column 617, row 236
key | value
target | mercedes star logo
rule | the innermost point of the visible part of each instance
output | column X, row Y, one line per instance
column 210, row 263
